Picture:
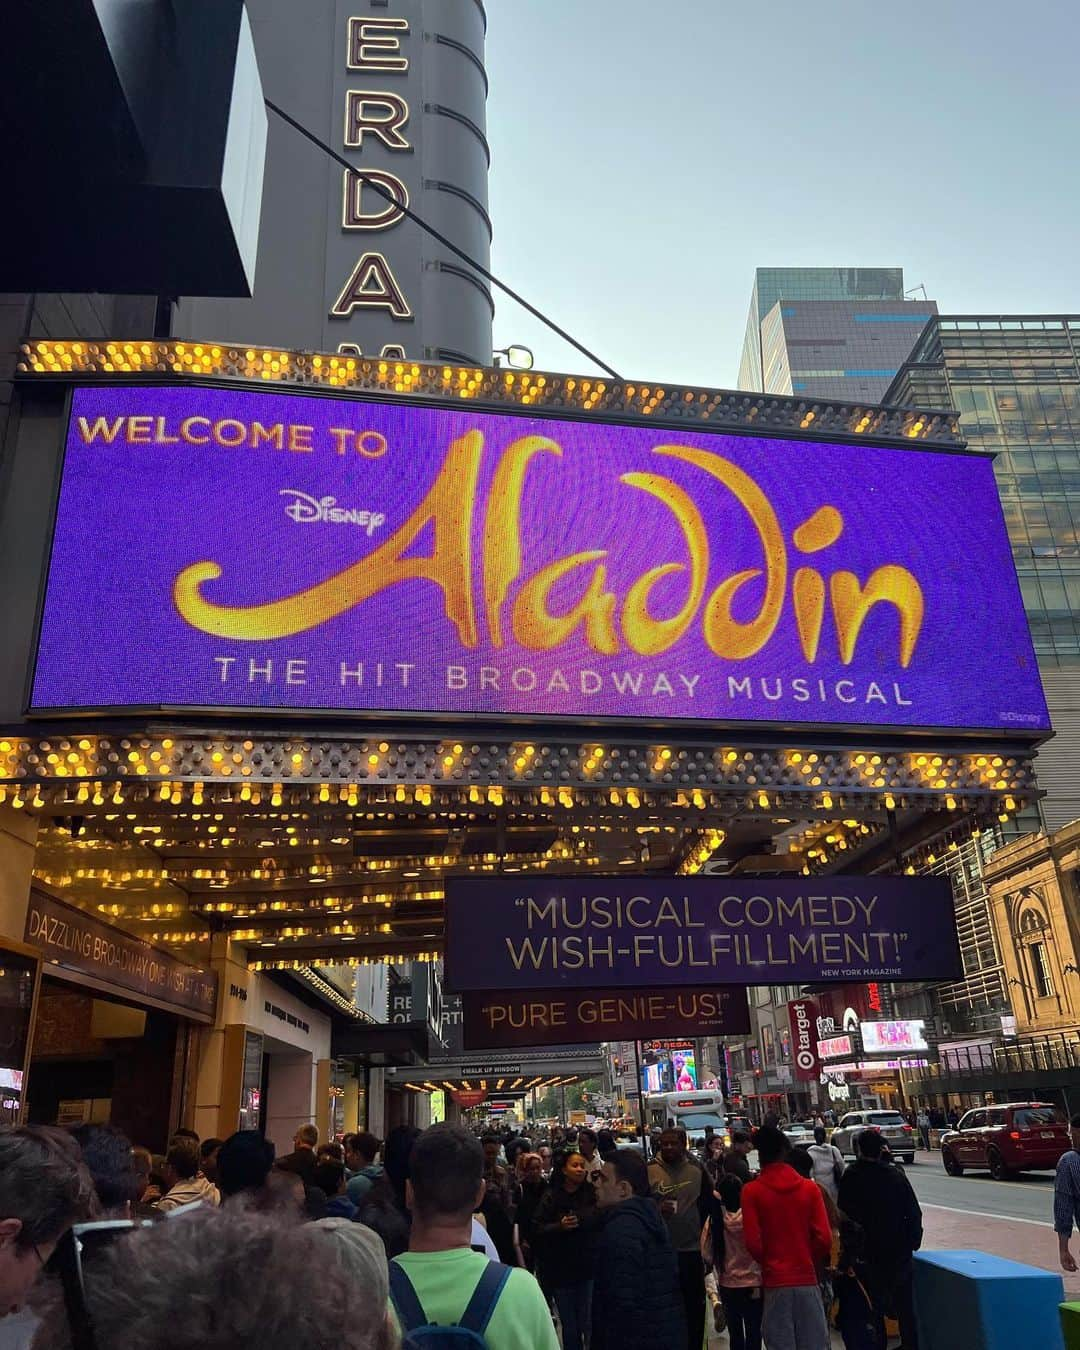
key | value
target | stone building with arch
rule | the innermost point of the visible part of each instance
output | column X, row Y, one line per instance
column 1035, row 902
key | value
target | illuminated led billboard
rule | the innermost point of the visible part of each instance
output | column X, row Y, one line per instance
column 242, row 548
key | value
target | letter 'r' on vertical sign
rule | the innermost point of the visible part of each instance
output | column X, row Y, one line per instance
column 353, row 215
column 374, row 46
column 382, row 114
column 372, row 285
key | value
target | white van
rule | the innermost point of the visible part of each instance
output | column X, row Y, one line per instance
column 693, row 1112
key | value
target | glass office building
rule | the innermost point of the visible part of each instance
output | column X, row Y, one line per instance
column 831, row 332
column 1015, row 382
column 1016, row 385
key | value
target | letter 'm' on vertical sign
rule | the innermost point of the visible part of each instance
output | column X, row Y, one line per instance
column 385, row 214
column 381, row 114
column 374, row 45
column 371, row 285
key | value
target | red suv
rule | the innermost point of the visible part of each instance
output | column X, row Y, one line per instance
column 1018, row 1137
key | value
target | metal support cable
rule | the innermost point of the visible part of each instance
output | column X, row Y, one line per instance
column 406, row 211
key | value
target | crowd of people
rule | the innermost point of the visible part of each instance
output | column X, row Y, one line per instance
column 576, row 1240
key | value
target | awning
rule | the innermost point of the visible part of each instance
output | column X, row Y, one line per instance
column 396, row 1044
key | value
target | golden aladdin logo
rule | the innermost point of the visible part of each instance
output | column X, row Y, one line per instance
column 609, row 621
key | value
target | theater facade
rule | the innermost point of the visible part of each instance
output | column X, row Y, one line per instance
column 293, row 640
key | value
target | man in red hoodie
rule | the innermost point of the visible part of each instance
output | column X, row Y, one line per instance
column 787, row 1233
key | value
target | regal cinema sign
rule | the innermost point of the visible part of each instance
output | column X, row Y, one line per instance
column 802, row 1018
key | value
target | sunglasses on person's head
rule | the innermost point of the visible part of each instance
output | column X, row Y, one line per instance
column 77, row 1249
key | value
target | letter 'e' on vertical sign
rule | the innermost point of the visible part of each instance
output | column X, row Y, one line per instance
column 374, row 45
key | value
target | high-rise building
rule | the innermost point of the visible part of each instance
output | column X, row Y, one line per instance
column 829, row 332
column 1015, row 383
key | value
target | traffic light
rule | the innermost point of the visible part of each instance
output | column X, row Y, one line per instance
column 722, row 1076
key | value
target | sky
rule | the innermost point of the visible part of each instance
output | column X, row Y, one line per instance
column 647, row 157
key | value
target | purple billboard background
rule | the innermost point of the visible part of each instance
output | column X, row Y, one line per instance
column 626, row 932
column 137, row 512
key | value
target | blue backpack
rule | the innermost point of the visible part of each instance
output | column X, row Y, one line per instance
column 468, row 1333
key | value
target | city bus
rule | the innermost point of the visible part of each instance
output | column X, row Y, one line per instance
column 693, row 1111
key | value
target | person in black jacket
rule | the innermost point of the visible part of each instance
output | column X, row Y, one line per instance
column 529, row 1191
column 384, row 1209
column 565, row 1229
column 638, row 1303
column 877, row 1196
column 736, row 1160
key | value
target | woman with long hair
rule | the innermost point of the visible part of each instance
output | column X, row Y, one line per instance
column 529, row 1190
column 737, row 1274
column 565, row 1227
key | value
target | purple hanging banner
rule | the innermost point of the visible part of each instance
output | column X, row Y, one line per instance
column 623, row 932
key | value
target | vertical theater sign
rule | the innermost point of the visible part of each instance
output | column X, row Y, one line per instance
column 376, row 124
column 397, row 91
column 409, row 95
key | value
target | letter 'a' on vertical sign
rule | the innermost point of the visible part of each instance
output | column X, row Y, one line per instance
column 385, row 214
column 371, row 285
column 378, row 112
column 373, row 45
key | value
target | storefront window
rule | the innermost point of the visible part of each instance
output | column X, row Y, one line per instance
column 251, row 1083
column 18, row 974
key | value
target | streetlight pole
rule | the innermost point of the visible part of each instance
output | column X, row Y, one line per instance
column 640, row 1094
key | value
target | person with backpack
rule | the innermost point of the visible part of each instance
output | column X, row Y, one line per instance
column 876, row 1195
column 361, row 1169
column 828, row 1162
column 738, row 1275
column 445, row 1295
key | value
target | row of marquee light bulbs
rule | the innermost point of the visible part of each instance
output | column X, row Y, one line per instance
column 468, row 382
column 86, row 761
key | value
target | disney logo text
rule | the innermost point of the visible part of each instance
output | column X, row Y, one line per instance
column 325, row 510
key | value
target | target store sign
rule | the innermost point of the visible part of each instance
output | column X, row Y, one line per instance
column 802, row 1018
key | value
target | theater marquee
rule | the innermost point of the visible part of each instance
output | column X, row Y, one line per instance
column 240, row 548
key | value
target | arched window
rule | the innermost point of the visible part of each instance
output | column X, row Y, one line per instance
column 1033, row 932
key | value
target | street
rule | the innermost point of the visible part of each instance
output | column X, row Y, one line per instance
column 1011, row 1219
column 1029, row 1198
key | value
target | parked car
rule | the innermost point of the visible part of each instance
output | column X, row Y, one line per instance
column 891, row 1125
column 799, row 1135
column 1005, row 1140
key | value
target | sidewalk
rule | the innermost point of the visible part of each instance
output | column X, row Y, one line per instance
column 1033, row 1244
